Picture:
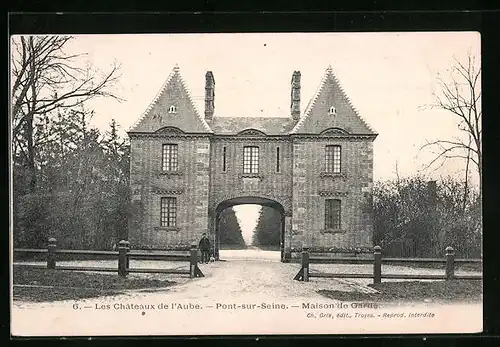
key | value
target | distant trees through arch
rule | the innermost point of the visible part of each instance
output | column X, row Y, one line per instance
column 267, row 230
column 230, row 231
column 266, row 233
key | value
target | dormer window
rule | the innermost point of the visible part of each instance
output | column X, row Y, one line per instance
column 332, row 111
column 172, row 109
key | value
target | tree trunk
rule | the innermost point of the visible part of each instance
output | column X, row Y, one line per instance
column 29, row 125
column 480, row 170
column 466, row 177
column 31, row 156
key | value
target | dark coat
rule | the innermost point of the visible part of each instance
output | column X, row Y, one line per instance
column 204, row 244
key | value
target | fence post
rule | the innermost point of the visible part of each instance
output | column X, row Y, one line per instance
column 51, row 253
column 122, row 258
column 127, row 261
column 377, row 264
column 305, row 264
column 450, row 263
column 193, row 260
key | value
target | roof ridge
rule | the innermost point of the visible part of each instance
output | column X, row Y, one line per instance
column 155, row 99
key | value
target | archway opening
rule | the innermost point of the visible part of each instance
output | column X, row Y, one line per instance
column 249, row 227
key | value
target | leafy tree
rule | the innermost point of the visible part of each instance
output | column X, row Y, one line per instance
column 69, row 180
column 116, row 182
column 46, row 80
column 84, row 183
column 268, row 229
column 229, row 229
column 411, row 219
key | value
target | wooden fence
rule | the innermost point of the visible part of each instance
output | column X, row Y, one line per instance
column 124, row 254
column 449, row 260
column 409, row 248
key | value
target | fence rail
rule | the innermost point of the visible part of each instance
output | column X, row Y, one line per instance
column 414, row 260
column 340, row 260
column 123, row 255
column 158, row 256
column 449, row 261
column 111, row 254
column 85, row 268
column 30, row 250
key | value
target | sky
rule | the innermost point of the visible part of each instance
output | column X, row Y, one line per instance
column 389, row 77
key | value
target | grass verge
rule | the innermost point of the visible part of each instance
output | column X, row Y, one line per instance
column 415, row 291
column 54, row 285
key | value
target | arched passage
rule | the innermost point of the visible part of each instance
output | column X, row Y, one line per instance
column 251, row 200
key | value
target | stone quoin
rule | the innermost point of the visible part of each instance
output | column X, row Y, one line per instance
column 315, row 167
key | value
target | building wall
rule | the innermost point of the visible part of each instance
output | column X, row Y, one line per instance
column 268, row 183
column 311, row 188
column 190, row 186
column 300, row 187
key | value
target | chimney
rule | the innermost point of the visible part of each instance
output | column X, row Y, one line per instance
column 295, row 102
column 209, row 95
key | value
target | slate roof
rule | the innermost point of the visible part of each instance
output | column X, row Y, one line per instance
column 314, row 120
column 331, row 93
column 173, row 92
column 268, row 125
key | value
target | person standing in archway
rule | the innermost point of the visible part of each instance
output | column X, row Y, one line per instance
column 205, row 248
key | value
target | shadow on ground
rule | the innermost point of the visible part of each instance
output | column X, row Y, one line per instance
column 39, row 285
column 415, row 291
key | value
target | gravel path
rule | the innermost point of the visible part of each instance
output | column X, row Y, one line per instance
column 251, row 275
column 231, row 279
column 218, row 298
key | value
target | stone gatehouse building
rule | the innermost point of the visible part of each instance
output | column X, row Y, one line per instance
column 316, row 168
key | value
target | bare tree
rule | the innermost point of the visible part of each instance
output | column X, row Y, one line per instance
column 460, row 95
column 44, row 79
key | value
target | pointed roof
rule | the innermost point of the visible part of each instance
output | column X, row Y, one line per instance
column 316, row 117
column 183, row 115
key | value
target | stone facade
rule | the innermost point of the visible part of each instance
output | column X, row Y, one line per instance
column 312, row 186
column 190, row 185
column 291, row 177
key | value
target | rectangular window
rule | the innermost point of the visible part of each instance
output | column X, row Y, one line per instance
column 250, row 159
column 332, row 159
column 224, row 159
column 332, row 214
column 168, row 212
column 170, row 157
column 277, row 159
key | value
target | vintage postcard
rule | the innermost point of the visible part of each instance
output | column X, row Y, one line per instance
column 246, row 184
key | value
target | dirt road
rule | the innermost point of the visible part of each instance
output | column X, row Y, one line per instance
column 251, row 275
column 248, row 293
